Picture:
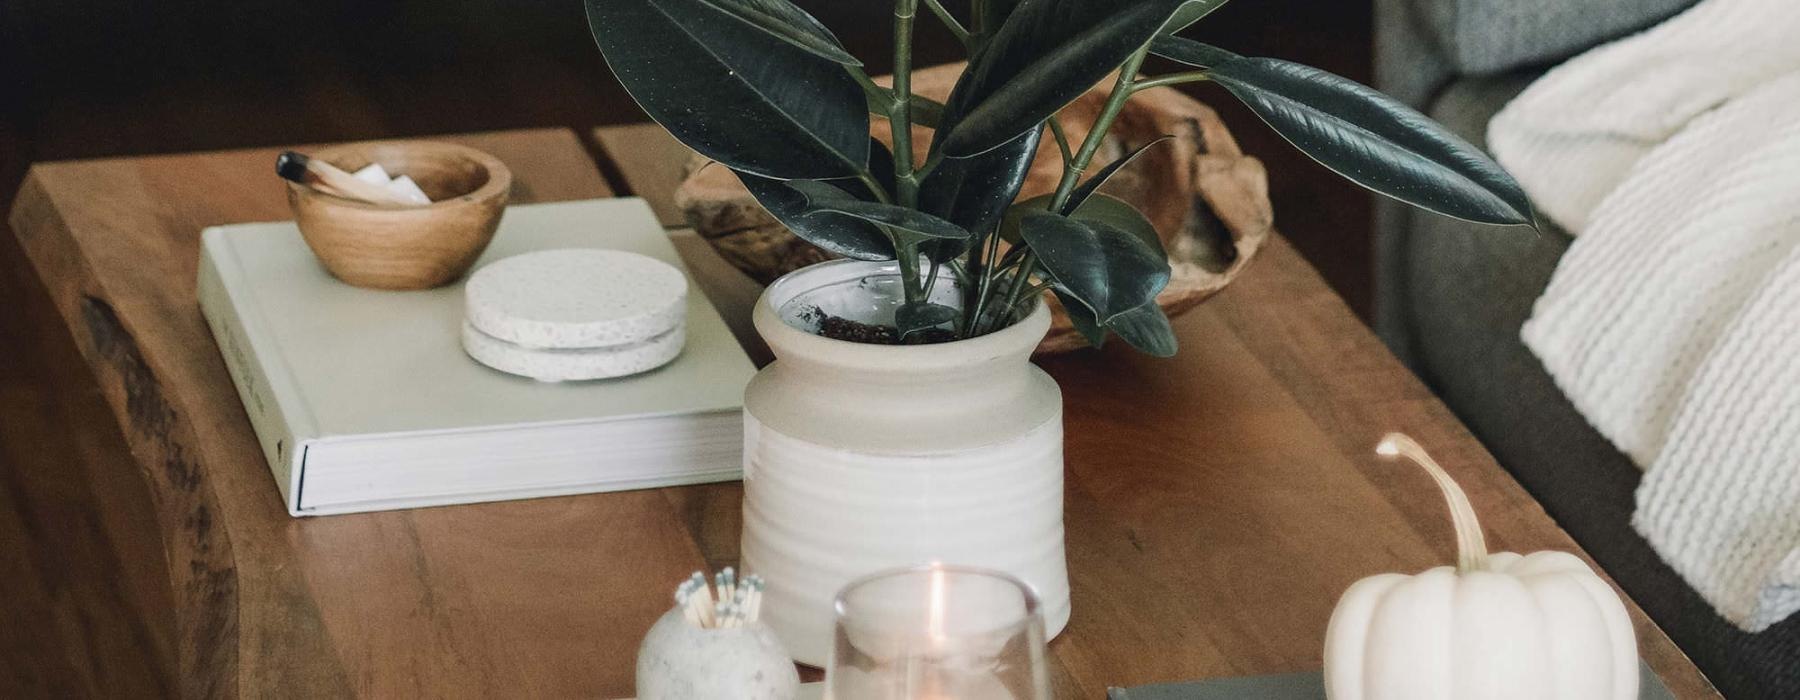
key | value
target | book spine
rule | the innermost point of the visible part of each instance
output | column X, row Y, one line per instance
column 282, row 428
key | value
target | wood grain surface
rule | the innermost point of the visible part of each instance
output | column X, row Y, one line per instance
column 1217, row 503
column 86, row 605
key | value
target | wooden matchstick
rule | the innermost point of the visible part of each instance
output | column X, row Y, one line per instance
column 319, row 174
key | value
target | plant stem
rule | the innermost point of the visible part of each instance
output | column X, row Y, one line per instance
column 874, row 185
column 956, row 267
column 1062, row 139
column 1115, row 102
column 906, row 184
column 1021, row 278
column 955, row 27
column 900, row 111
column 973, row 281
column 1072, row 170
column 907, row 255
column 976, row 298
column 1171, row 79
column 1029, row 293
column 1011, row 258
column 870, row 89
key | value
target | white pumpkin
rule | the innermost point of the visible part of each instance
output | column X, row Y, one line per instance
column 1542, row 626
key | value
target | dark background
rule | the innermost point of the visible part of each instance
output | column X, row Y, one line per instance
column 93, row 78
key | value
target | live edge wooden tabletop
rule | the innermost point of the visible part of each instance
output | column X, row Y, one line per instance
column 1217, row 503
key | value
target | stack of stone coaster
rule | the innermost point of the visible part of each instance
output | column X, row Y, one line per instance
column 576, row 313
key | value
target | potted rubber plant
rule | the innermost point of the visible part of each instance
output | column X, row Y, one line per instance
column 902, row 420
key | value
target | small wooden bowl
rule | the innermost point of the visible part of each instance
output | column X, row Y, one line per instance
column 396, row 247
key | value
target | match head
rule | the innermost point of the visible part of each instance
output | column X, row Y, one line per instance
column 291, row 166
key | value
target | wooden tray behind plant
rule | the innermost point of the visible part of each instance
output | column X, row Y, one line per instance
column 1208, row 201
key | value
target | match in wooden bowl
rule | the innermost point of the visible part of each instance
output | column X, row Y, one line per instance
column 389, row 246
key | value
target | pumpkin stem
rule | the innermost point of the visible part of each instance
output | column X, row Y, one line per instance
column 1471, row 547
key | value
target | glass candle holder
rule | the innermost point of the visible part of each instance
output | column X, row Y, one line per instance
column 938, row 633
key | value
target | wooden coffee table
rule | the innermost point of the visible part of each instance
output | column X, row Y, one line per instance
column 1217, row 503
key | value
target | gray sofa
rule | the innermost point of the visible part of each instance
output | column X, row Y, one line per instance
column 1451, row 296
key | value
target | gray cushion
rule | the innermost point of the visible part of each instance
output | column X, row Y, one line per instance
column 1454, row 296
column 1488, row 36
column 1408, row 63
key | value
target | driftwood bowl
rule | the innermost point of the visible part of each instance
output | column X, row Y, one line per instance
column 395, row 247
column 1208, row 201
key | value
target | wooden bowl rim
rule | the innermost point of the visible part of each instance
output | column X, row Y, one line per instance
column 498, row 184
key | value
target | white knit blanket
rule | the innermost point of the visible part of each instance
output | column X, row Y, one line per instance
column 1673, row 322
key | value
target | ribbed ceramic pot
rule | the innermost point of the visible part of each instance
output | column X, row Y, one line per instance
column 860, row 457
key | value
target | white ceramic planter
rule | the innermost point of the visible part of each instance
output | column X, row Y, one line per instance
column 860, row 457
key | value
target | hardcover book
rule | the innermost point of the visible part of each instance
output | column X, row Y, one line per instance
column 364, row 400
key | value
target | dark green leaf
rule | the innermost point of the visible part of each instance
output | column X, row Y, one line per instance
column 1190, row 13
column 1010, row 222
column 1082, row 319
column 822, row 196
column 1147, row 329
column 994, row 14
column 1110, row 210
column 912, row 318
column 974, row 192
column 1108, row 269
column 789, row 23
column 925, row 111
column 943, row 250
column 881, row 165
column 1086, row 189
column 1117, row 213
column 986, row 21
column 1374, row 141
column 733, row 92
column 1046, row 54
column 1190, row 52
column 836, row 233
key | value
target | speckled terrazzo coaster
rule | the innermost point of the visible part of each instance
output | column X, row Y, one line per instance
column 576, row 298
column 572, row 364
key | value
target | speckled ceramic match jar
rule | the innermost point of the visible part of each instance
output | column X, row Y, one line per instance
column 679, row 661
column 575, row 313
